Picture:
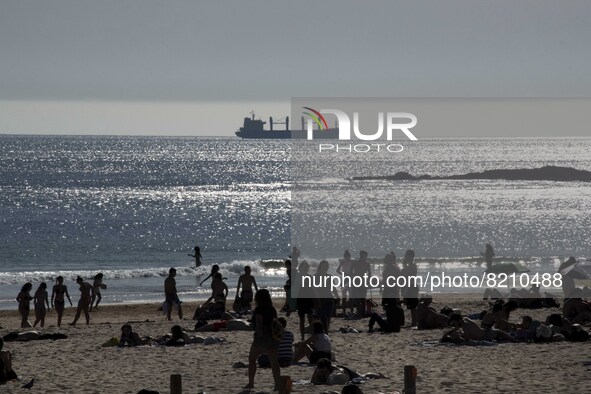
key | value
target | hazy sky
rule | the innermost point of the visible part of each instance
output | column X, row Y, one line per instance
column 197, row 67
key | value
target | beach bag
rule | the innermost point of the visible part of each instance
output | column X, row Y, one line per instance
column 277, row 329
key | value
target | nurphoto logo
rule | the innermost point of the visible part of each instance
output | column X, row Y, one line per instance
column 395, row 122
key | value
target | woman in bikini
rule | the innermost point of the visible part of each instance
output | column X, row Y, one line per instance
column 41, row 304
column 57, row 298
column 24, row 304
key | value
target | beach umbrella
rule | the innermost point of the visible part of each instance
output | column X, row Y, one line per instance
column 507, row 268
column 579, row 270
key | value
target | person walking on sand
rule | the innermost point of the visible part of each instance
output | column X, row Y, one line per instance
column 262, row 320
column 84, row 302
column 171, row 294
column 246, row 281
column 197, row 256
column 410, row 292
column 41, row 303
column 97, row 285
column 57, row 298
column 24, row 304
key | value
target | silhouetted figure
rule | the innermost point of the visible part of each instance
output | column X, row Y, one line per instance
column 197, row 256
column 391, row 293
column 171, row 296
column 361, row 267
column 410, row 292
column 97, row 285
column 489, row 255
column 345, row 269
column 246, row 282
column 84, row 302
column 57, row 298
column 394, row 318
column 214, row 270
column 263, row 342
column 41, row 303
column 305, row 305
column 325, row 299
column 24, row 304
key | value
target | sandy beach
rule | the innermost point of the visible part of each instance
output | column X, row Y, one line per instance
column 79, row 364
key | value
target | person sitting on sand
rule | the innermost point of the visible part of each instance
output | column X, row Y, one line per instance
column 285, row 350
column 24, row 304
column 6, row 371
column 41, row 303
column 215, row 305
column 326, row 373
column 471, row 331
column 197, row 256
column 84, row 302
column 129, row 337
column 499, row 317
column 97, row 285
column 246, row 281
column 427, row 317
column 57, row 298
column 575, row 309
column 526, row 331
column 317, row 346
column 394, row 318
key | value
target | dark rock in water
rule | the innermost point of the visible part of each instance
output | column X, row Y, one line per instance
column 546, row 173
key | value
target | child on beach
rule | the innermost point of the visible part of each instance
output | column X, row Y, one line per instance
column 41, row 303
column 246, row 281
column 57, row 298
column 97, row 285
column 197, row 256
column 24, row 304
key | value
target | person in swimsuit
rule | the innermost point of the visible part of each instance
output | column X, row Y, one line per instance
column 84, row 302
column 345, row 268
column 97, row 285
column 246, row 281
column 171, row 295
column 40, row 301
column 214, row 270
column 197, row 256
column 57, row 298
column 24, row 300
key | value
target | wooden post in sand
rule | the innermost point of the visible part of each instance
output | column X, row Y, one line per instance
column 410, row 377
column 176, row 384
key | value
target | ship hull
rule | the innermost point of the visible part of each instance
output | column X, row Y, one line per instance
column 329, row 134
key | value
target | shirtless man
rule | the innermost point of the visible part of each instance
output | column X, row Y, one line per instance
column 171, row 294
column 84, row 302
column 246, row 281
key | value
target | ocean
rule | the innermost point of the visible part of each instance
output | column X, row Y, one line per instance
column 132, row 207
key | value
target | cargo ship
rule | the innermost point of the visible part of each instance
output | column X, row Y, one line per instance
column 255, row 128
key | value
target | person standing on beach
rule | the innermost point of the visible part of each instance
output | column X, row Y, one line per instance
column 324, row 302
column 489, row 255
column 24, row 304
column 97, row 285
column 246, row 281
column 171, row 294
column 360, row 268
column 40, row 301
column 345, row 268
column 263, row 342
column 410, row 292
column 197, row 256
column 214, row 270
column 84, row 302
column 57, row 298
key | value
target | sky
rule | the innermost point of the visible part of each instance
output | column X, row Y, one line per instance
column 198, row 67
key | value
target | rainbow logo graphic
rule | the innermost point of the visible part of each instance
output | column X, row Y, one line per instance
column 317, row 117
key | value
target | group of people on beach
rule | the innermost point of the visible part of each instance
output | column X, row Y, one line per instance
column 90, row 295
